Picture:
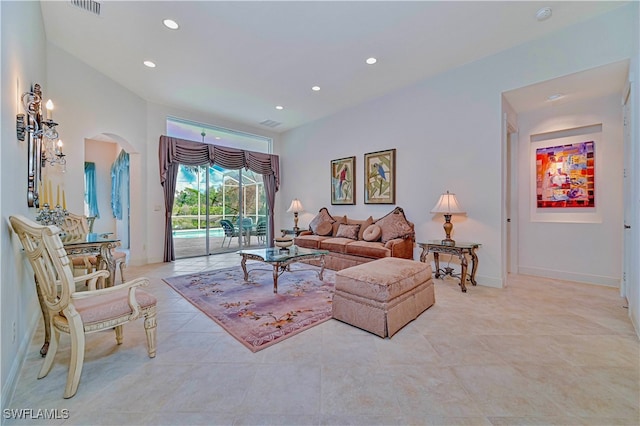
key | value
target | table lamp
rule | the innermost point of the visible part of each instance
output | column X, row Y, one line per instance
column 447, row 205
column 295, row 207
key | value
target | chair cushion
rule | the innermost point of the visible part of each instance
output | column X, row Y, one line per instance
column 110, row 306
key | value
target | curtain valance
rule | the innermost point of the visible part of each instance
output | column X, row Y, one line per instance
column 174, row 151
column 191, row 153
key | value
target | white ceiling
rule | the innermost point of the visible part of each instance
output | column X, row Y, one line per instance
column 240, row 59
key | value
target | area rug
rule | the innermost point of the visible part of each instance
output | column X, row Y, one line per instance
column 250, row 311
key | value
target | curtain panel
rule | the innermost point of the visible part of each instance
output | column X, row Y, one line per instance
column 175, row 151
column 119, row 175
column 91, row 194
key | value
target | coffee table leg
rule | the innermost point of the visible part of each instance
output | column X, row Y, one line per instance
column 243, row 263
column 320, row 274
column 276, row 267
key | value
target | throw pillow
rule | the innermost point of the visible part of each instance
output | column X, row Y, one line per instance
column 348, row 231
column 325, row 228
column 394, row 225
column 372, row 233
column 339, row 220
column 322, row 216
column 363, row 225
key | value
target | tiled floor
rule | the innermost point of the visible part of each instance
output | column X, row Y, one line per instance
column 540, row 351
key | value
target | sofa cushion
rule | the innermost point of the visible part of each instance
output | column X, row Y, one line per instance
column 336, row 224
column 325, row 228
column 335, row 244
column 374, row 250
column 322, row 216
column 394, row 225
column 348, row 231
column 363, row 225
column 309, row 241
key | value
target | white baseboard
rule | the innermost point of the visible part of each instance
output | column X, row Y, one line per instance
column 12, row 380
column 488, row 281
column 570, row 276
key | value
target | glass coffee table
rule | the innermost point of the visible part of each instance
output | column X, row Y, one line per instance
column 280, row 259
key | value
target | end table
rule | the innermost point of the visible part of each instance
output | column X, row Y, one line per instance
column 461, row 250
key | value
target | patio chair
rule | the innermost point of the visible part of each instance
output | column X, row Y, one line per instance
column 230, row 231
column 261, row 231
column 79, row 313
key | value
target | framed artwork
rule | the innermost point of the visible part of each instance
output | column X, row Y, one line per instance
column 343, row 181
column 565, row 176
column 380, row 177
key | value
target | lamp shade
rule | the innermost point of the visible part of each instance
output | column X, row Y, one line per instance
column 447, row 204
column 296, row 206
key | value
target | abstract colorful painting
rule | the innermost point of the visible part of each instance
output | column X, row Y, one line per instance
column 565, row 176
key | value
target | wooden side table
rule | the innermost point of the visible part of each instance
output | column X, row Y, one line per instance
column 461, row 250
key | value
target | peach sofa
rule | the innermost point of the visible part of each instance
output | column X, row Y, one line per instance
column 352, row 242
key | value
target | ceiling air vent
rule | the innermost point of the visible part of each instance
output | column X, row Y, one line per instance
column 270, row 123
column 87, row 5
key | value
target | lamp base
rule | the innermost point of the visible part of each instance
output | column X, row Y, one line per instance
column 448, row 242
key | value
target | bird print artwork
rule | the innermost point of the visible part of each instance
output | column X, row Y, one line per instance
column 380, row 177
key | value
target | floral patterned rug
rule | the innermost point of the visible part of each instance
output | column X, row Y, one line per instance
column 250, row 311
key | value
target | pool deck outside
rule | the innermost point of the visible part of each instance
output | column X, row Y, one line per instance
column 190, row 247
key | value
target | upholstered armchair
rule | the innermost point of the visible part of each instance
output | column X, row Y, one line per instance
column 79, row 313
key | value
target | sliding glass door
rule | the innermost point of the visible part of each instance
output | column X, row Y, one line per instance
column 218, row 210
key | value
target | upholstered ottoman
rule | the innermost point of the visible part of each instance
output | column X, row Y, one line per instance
column 384, row 295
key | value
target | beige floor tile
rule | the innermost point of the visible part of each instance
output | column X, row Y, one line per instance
column 538, row 352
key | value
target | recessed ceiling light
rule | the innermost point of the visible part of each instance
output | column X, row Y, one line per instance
column 555, row 96
column 279, row 107
column 543, row 14
column 171, row 24
column 315, row 88
column 371, row 61
column 149, row 64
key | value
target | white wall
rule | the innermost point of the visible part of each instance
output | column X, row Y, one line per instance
column 551, row 244
column 23, row 63
column 88, row 104
column 447, row 132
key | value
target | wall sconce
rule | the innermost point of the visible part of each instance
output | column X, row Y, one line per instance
column 42, row 130
column 448, row 205
column 295, row 207
column 43, row 144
